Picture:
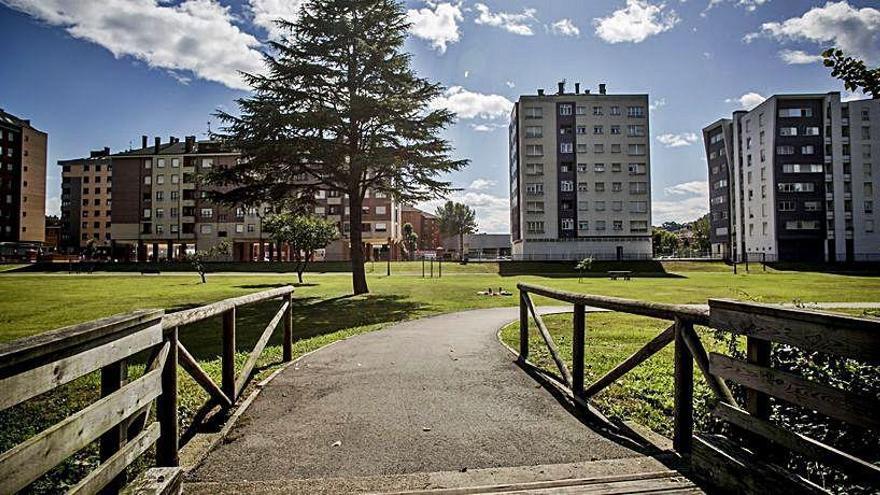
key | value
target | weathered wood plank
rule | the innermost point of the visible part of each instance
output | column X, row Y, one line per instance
column 227, row 357
column 109, row 469
column 287, row 343
column 652, row 347
column 27, row 384
column 551, row 345
column 189, row 363
column 113, row 376
column 847, row 336
column 701, row 357
column 831, row 401
column 523, row 327
column 683, row 413
column 49, row 346
column 579, row 325
column 645, row 308
column 166, row 407
column 157, row 481
column 29, row 460
column 798, row 443
column 249, row 365
column 724, row 465
column 186, row 317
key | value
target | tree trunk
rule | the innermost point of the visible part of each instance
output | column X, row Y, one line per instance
column 460, row 246
column 358, row 273
column 303, row 265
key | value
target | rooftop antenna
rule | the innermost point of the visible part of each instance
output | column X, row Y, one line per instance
column 209, row 129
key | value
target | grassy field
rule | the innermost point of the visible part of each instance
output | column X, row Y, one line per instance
column 324, row 312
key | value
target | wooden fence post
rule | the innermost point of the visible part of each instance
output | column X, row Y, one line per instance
column 577, row 350
column 166, row 407
column 228, row 357
column 523, row 326
column 287, row 345
column 684, row 393
column 113, row 377
column 757, row 403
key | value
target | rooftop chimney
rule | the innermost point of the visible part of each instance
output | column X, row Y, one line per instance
column 106, row 151
column 602, row 89
column 562, row 87
column 190, row 142
column 586, row 91
column 100, row 153
column 577, row 88
column 144, row 141
column 158, row 142
column 540, row 91
column 172, row 139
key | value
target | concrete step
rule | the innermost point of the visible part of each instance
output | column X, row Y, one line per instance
column 611, row 476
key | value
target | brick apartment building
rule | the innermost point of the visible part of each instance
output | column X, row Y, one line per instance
column 22, row 180
column 159, row 209
column 425, row 225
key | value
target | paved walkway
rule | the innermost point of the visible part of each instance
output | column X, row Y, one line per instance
column 438, row 394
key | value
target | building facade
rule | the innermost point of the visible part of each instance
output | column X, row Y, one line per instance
column 22, row 180
column 425, row 225
column 803, row 182
column 152, row 204
column 580, row 182
column 718, row 138
column 86, row 197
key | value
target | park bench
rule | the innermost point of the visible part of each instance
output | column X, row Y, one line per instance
column 624, row 274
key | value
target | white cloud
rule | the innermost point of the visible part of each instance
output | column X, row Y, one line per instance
column 749, row 5
column 437, row 23
column 195, row 35
column 510, row 84
column 514, row 23
column 851, row 96
column 659, row 102
column 678, row 140
column 53, row 205
column 690, row 200
column 635, row 22
column 493, row 212
column 467, row 73
column 748, row 101
column 855, row 31
column 481, row 184
column 468, row 104
column 797, row 57
column 266, row 12
column 698, row 187
column 565, row 27
column 487, row 127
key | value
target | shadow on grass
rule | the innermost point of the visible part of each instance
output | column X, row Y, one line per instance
column 865, row 269
column 275, row 286
column 311, row 317
column 599, row 269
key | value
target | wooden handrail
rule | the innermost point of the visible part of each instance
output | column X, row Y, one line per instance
column 186, row 317
column 697, row 316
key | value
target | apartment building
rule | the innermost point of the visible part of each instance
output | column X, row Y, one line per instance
column 425, row 225
column 718, row 138
column 152, row 203
column 803, row 182
column 22, row 180
column 580, row 182
column 86, row 195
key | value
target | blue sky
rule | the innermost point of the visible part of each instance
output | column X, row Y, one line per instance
column 95, row 74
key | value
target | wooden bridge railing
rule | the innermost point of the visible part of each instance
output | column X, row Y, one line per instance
column 120, row 419
column 720, row 461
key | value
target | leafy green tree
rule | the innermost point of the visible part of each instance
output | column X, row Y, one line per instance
column 665, row 242
column 303, row 233
column 198, row 259
column 410, row 240
column 853, row 72
column 457, row 219
column 340, row 109
column 584, row 266
column 701, row 229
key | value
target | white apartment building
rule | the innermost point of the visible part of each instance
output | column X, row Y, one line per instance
column 580, row 182
column 803, row 181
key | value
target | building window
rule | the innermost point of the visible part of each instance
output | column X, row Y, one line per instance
column 796, row 187
column 635, row 111
column 207, row 162
column 638, row 226
column 148, row 164
column 565, row 109
column 566, row 186
column 534, row 207
column 582, row 148
column 812, row 206
column 635, row 130
column 566, row 147
column 785, row 150
column 583, row 186
column 534, row 169
column 535, row 227
column 599, row 148
column 600, row 224
column 567, row 224
column 581, row 110
column 148, row 180
column 788, row 131
column 786, row 206
column 616, row 187
column 598, row 129
column 802, row 225
column 536, row 188
column 636, row 149
column 380, row 227
column 175, row 162
column 599, row 205
column 808, row 149
column 795, row 112
column 175, row 179
column 638, row 207
column 534, row 131
column 207, row 213
column 380, row 210
column 160, row 179
column 583, row 225
column 638, row 187
column 147, row 213
column 534, row 112
column 599, row 187
column 160, row 163
column 206, row 228
column 534, row 150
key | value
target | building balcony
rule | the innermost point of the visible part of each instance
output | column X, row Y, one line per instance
column 844, row 121
column 847, row 158
column 829, row 215
column 847, row 195
column 847, row 215
column 829, row 196
column 845, row 140
column 830, row 234
column 827, row 158
column 847, row 177
column 827, row 140
column 829, row 178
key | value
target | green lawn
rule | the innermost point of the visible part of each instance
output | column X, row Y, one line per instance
column 324, row 312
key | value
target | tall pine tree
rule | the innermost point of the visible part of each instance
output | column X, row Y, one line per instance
column 339, row 108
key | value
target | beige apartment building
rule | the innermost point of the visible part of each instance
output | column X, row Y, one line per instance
column 22, row 180
column 159, row 207
column 580, row 176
